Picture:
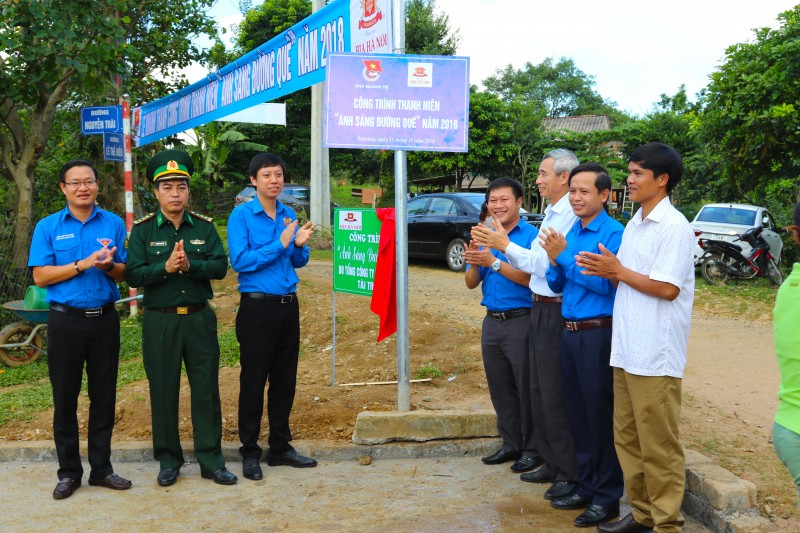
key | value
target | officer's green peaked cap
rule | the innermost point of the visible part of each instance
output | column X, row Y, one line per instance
column 170, row 164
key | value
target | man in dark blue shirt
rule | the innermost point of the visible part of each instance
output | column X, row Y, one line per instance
column 265, row 246
column 79, row 254
column 504, row 337
column 586, row 375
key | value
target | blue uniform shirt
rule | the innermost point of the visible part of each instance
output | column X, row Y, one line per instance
column 62, row 239
column 499, row 292
column 256, row 252
column 585, row 296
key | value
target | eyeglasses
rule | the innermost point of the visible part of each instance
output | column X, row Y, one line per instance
column 78, row 184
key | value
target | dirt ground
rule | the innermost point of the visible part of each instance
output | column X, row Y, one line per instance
column 729, row 387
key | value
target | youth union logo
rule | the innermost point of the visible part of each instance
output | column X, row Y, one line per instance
column 372, row 69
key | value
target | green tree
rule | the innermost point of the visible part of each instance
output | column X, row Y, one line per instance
column 77, row 50
column 561, row 88
column 428, row 31
column 751, row 121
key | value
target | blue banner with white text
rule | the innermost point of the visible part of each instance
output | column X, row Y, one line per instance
column 294, row 60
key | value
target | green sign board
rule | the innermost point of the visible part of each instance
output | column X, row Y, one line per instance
column 356, row 234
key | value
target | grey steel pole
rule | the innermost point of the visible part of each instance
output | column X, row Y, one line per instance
column 320, row 167
column 401, row 233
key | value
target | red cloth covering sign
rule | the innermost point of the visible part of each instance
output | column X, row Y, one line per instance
column 384, row 291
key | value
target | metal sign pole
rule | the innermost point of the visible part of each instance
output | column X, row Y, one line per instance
column 401, row 234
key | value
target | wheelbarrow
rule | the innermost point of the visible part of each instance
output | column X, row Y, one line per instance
column 22, row 343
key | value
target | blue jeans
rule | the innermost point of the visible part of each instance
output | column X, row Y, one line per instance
column 787, row 444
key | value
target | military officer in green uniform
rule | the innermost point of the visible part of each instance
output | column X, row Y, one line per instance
column 173, row 254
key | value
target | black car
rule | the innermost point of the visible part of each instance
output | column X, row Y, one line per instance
column 439, row 225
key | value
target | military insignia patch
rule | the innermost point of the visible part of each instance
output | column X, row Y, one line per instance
column 172, row 165
column 196, row 241
column 158, row 243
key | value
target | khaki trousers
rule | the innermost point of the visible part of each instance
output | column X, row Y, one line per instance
column 646, row 413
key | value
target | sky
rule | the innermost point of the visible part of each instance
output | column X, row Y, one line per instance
column 636, row 50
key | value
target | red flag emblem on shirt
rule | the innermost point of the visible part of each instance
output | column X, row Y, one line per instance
column 104, row 241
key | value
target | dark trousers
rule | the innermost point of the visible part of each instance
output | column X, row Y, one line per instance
column 588, row 383
column 73, row 341
column 169, row 339
column 550, row 426
column 504, row 346
column 269, row 342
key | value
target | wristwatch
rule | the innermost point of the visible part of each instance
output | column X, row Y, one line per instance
column 496, row 265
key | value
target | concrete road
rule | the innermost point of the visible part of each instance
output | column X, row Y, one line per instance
column 438, row 494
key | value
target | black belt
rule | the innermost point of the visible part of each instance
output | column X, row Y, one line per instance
column 186, row 310
column 92, row 312
column 589, row 323
column 284, row 299
column 547, row 299
column 512, row 313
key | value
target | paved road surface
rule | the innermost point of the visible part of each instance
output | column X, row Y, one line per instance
column 434, row 494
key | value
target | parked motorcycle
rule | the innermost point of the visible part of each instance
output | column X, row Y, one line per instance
column 723, row 260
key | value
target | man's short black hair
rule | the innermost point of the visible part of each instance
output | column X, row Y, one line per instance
column 264, row 160
column 602, row 180
column 75, row 163
column 661, row 159
column 499, row 183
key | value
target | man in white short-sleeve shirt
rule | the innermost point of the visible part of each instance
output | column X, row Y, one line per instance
column 654, row 274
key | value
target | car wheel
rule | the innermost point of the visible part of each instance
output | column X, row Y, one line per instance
column 712, row 272
column 774, row 273
column 455, row 255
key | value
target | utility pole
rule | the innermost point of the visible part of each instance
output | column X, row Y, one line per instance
column 320, row 163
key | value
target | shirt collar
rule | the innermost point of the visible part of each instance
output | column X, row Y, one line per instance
column 595, row 224
column 659, row 210
column 161, row 219
column 255, row 205
column 66, row 213
column 559, row 206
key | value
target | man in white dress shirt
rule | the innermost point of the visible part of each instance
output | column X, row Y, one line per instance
column 654, row 274
column 551, row 430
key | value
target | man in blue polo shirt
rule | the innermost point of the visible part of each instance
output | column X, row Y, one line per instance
column 586, row 376
column 78, row 254
column 265, row 246
column 504, row 337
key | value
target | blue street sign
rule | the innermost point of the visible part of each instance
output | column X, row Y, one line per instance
column 95, row 120
column 114, row 147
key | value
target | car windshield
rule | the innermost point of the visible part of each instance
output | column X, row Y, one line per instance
column 300, row 194
column 476, row 201
column 727, row 215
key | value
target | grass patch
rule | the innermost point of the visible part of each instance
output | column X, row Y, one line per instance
column 428, row 370
column 322, row 255
column 228, row 348
column 24, row 404
column 746, row 299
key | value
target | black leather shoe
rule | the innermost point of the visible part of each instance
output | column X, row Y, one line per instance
column 111, row 481
column 538, row 476
column 594, row 515
column 65, row 488
column 290, row 458
column 251, row 469
column 499, row 457
column 220, row 477
column 526, row 464
column 168, row 476
column 573, row 501
column 560, row 489
column 626, row 525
